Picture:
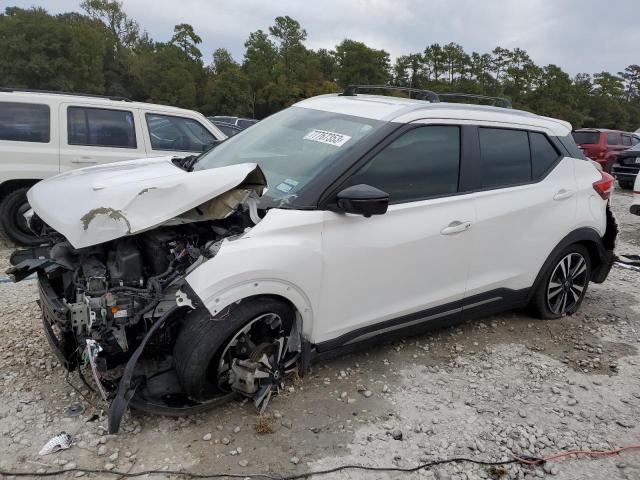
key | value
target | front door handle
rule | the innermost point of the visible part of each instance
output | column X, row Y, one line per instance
column 455, row 227
column 84, row 159
column 563, row 194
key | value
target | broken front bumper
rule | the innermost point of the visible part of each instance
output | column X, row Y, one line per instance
column 55, row 320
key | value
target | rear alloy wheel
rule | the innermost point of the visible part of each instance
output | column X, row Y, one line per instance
column 563, row 285
column 567, row 284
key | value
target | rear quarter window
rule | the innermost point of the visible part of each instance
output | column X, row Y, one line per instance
column 25, row 122
column 543, row 154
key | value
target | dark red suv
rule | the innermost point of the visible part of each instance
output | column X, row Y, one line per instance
column 602, row 145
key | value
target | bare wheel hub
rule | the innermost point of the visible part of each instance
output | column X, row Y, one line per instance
column 257, row 359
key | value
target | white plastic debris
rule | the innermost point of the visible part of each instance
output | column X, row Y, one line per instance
column 62, row 441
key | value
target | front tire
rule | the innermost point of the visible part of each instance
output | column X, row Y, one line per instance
column 563, row 285
column 12, row 210
column 204, row 340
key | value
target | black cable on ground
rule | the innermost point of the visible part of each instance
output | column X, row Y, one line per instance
column 296, row 476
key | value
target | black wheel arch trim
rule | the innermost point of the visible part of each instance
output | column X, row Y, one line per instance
column 593, row 241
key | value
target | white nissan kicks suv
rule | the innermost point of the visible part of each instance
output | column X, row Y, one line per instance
column 339, row 221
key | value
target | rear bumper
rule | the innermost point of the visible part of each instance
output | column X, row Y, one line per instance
column 601, row 273
column 606, row 247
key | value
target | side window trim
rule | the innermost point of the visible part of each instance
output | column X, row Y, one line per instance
column 86, row 120
column 475, row 168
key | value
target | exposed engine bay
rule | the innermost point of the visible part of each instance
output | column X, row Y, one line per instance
column 115, row 291
column 117, row 307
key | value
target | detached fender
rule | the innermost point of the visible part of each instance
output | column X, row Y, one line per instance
column 281, row 256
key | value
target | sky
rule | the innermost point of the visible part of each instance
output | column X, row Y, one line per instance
column 577, row 35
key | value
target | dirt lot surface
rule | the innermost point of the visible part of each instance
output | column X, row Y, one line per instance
column 504, row 384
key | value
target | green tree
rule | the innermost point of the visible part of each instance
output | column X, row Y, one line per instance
column 186, row 39
column 226, row 91
column 631, row 79
column 125, row 30
column 607, row 84
column 259, row 66
column 38, row 50
column 358, row 64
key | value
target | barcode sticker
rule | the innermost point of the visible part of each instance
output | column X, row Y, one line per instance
column 330, row 138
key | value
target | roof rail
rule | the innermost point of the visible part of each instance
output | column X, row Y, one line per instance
column 352, row 90
column 506, row 103
column 429, row 95
column 53, row 92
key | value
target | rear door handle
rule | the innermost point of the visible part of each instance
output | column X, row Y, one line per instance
column 84, row 159
column 455, row 227
column 563, row 194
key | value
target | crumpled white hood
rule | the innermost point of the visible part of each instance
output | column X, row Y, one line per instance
column 98, row 204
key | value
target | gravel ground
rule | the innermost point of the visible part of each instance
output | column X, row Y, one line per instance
column 504, row 384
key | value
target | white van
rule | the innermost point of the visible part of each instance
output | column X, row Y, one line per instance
column 45, row 133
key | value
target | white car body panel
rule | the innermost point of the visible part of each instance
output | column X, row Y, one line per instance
column 282, row 255
column 501, row 255
column 392, row 265
column 97, row 204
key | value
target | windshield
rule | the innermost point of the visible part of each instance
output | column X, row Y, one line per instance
column 291, row 147
column 586, row 138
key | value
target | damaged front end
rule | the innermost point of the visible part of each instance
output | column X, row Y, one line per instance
column 112, row 287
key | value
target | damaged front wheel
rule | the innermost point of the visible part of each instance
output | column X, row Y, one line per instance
column 248, row 349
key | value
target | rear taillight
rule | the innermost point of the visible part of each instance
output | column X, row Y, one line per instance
column 604, row 186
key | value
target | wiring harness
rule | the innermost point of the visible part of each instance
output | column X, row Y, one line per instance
column 523, row 460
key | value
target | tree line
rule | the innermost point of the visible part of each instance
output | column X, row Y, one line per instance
column 104, row 51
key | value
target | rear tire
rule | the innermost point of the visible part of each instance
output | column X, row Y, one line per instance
column 12, row 208
column 202, row 339
column 563, row 285
column 625, row 184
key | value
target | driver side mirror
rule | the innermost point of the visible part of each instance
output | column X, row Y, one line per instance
column 363, row 200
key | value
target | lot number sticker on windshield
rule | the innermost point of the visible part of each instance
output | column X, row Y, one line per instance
column 330, row 138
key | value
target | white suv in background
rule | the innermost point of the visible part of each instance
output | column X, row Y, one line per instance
column 45, row 133
column 383, row 216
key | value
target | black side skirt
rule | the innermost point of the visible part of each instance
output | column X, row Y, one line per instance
column 447, row 315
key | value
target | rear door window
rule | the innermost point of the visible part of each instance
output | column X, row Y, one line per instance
column 100, row 127
column 25, row 122
column 182, row 134
column 505, row 157
column 614, row 139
